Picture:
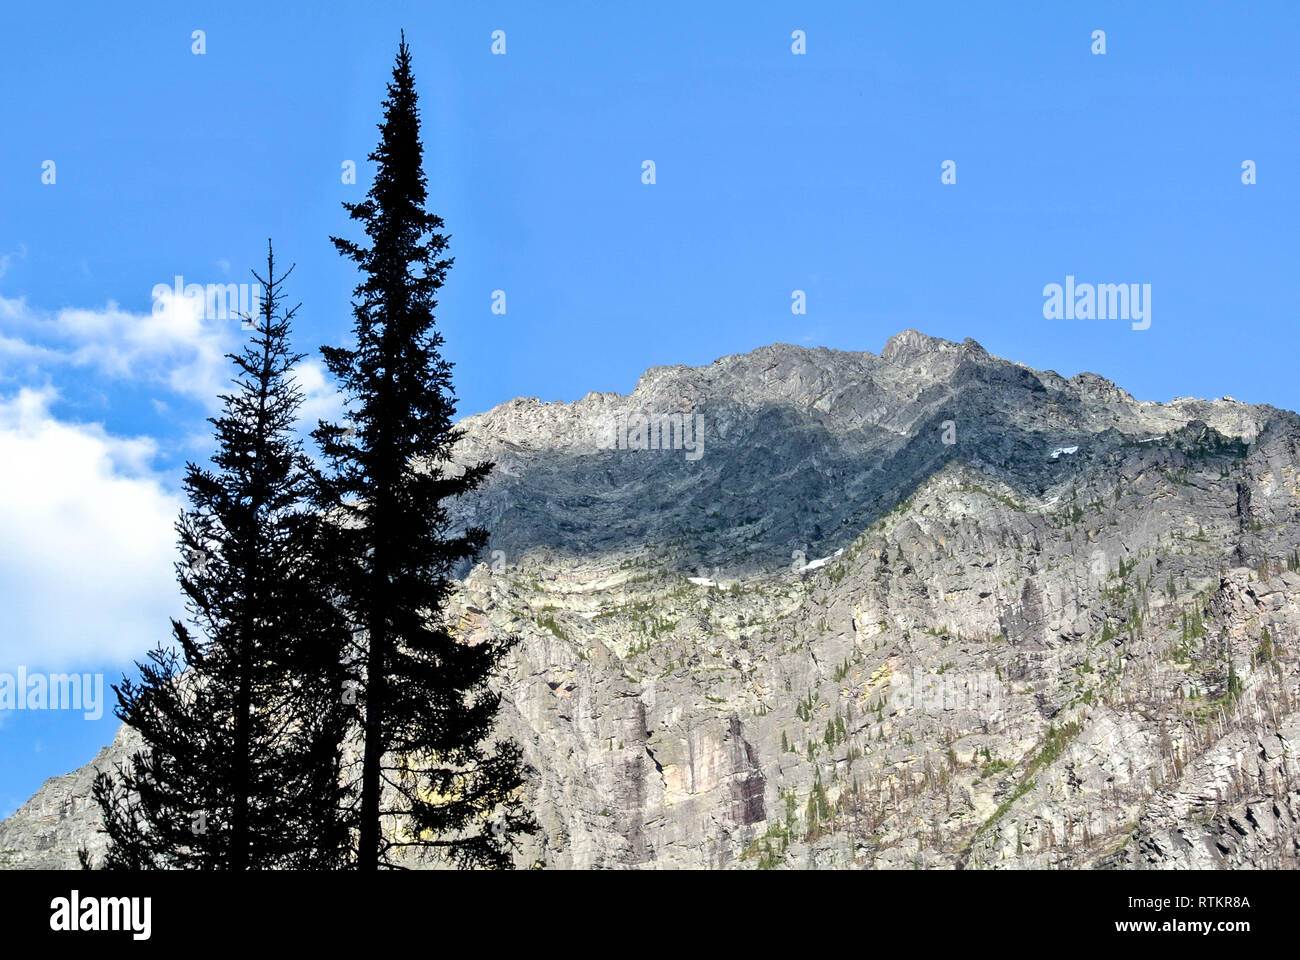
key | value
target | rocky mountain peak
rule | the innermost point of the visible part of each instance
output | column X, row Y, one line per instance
column 909, row 345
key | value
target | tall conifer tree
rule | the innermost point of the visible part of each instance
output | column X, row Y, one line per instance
column 243, row 719
column 432, row 771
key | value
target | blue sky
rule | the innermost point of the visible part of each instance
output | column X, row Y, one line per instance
column 775, row 172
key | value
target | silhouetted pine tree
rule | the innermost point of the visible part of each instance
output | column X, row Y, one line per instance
column 244, row 720
column 430, row 757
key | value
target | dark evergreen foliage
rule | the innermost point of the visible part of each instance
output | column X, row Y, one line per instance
column 244, row 718
column 433, row 776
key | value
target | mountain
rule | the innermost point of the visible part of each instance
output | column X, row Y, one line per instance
column 928, row 608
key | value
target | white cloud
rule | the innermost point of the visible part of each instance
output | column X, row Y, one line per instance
column 174, row 344
column 12, row 310
column 8, row 258
column 321, row 401
column 86, row 563
column 87, row 544
column 12, row 348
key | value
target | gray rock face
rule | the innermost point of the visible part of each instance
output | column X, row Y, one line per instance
column 927, row 608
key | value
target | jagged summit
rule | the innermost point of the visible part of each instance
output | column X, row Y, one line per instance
column 910, row 344
column 910, row 363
